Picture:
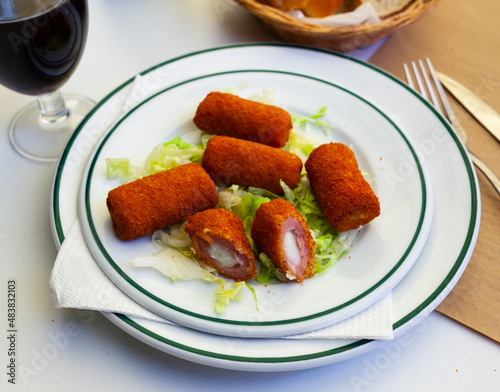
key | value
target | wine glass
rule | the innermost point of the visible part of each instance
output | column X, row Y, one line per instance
column 41, row 43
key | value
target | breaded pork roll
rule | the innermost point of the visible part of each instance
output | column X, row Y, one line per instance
column 218, row 237
column 229, row 115
column 346, row 198
column 160, row 200
column 234, row 161
column 281, row 232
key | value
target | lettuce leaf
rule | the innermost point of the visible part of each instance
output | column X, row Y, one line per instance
column 223, row 295
column 172, row 154
column 177, row 267
column 175, row 236
column 164, row 156
column 314, row 119
column 122, row 168
column 244, row 204
column 268, row 270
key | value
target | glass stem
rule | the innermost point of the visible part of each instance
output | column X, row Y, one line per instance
column 52, row 107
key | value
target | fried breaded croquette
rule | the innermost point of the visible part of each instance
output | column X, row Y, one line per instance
column 235, row 161
column 160, row 200
column 229, row 115
column 346, row 198
column 281, row 232
column 218, row 237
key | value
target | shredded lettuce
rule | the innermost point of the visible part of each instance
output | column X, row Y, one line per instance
column 172, row 154
column 330, row 247
column 267, row 96
column 223, row 295
column 244, row 204
column 301, row 141
column 175, row 266
column 268, row 270
column 254, row 295
column 314, row 119
column 175, row 236
column 164, row 156
column 234, row 89
column 121, row 167
column 204, row 140
column 301, row 144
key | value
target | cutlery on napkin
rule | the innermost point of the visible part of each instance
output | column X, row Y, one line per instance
column 78, row 282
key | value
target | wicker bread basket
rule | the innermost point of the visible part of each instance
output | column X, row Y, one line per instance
column 343, row 39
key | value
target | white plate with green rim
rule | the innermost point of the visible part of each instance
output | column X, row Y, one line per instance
column 444, row 257
column 383, row 252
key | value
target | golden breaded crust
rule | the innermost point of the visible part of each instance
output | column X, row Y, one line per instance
column 224, row 227
column 229, row 115
column 346, row 198
column 270, row 219
column 160, row 200
column 235, row 161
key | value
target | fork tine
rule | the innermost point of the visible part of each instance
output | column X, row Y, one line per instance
column 430, row 86
column 439, row 88
column 418, row 78
column 445, row 103
column 409, row 79
column 450, row 114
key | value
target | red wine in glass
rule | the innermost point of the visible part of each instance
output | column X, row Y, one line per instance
column 41, row 43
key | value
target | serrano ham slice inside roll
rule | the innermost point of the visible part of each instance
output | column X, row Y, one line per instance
column 219, row 239
column 281, row 232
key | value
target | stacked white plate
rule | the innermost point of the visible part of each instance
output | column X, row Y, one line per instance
column 417, row 249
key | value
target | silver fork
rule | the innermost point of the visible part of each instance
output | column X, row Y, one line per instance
column 428, row 85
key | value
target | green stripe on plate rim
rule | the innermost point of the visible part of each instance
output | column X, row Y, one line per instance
column 237, row 322
column 236, row 358
column 397, row 324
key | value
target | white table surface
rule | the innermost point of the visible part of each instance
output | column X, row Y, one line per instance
column 126, row 37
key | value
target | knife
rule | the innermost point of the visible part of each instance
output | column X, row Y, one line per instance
column 488, row 117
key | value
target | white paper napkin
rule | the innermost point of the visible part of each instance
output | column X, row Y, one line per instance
column 364, row 14
column 78, row 282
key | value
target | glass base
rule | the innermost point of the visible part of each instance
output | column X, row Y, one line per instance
column 43, row 141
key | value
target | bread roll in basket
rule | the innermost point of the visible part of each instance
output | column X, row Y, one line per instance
column 393, row 15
